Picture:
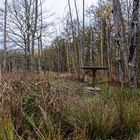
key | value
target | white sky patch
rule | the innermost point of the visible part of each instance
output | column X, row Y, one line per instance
column 60, row 7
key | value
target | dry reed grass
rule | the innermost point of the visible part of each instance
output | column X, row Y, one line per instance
column 35, row 107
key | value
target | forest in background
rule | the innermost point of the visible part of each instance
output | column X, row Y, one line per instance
column 107, row 35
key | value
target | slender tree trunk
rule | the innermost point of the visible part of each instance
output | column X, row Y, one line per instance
column 33, row 36
column 102, row 43
column 58, row 58
column 80, row 47
column 45, row 63
column 109, row 52
column 40, row 40
column 39, row 56
column 91, row 46
column 5, row 37
column 28, row 41
column 67, row 55
column 73, row 35
column 83, row 39
column 133, row 45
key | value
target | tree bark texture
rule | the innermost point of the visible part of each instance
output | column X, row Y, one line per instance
column 121, row 55
column 5, row 37
column 133, row 45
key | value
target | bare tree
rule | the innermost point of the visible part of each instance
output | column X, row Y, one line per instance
column 74, row 38
column 27, row 24
column 121, row 55
column 33, row 30
column 80, row 47
column 133, row 45
column 5, row 36
column 40, row 44
column 83, row 39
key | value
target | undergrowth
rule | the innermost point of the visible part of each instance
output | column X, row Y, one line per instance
column 35, row 108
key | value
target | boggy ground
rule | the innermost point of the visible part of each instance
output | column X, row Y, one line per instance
column 50, row 107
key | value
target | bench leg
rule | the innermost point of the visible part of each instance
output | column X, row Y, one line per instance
column 93, row 77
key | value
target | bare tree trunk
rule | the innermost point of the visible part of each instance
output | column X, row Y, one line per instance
column 5, row 37
column 45, row 62
column 33, row 35
column 83, row 40
column 133, row 45
column 40, row 49
column 121, row 55
column 80, row 46
column 73, row 35
column 67, row 55
column 41, row 43
column 102, row 43
column 28, row 52
column 91, row 46
column 58, row 57
column 109, row 52
column 39, row 55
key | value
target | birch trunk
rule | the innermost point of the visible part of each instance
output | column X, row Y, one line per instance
column 102, row 43
column 133, row 45
column 40, row 47
column 5, row 37
column 80, row 57
column 67, row 55
column 28, row 40
column 33, row 35
column 109, row 52
column 121, row 55
column 39, row 56
column 74, row 41
column 83, row 41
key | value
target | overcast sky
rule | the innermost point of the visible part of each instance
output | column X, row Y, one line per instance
column 60, row 6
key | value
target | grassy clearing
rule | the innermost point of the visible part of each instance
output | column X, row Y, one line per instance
column 36, row 108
